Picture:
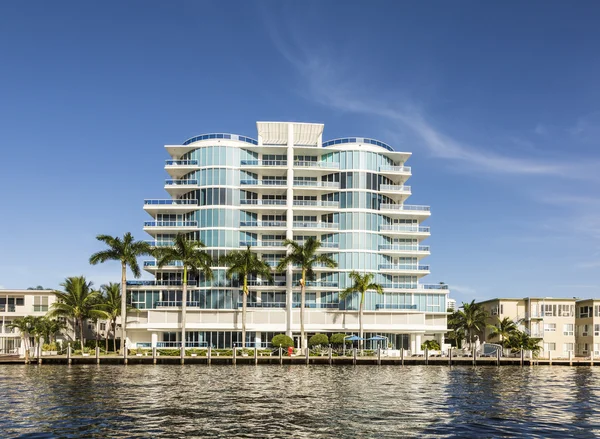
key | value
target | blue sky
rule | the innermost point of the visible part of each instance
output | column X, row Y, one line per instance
column 498, row 102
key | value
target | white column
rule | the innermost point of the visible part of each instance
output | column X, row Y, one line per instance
column 418, row 343
column 258, row 338
column 289, row 234
column 154, row 339
column 413, row 349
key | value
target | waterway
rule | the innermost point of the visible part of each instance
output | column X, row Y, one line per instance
column 298, row 401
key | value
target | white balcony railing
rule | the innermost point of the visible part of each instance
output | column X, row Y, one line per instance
column 395, row 188
column 309, row 164
column 311, row 183
column 405, row 207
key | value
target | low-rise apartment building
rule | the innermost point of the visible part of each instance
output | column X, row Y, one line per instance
column 20, row 303
column 564, row 324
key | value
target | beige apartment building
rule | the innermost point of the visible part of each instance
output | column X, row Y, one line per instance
column 588, row 327
column 564, row 324
column 21, row 303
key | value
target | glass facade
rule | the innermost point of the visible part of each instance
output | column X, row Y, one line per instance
column 349, row 193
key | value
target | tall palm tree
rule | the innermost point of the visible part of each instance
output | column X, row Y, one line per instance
column 471, row 318
column 112, row 306
column 243, row 264
column 362, row 284
column 305, row 257
column 126, row 251
column 193, row 259
column 25, row 327
column 78, row 302
column 504, row 329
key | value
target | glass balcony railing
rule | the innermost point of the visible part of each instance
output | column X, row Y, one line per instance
column 171, row 202
column 181, row 162
column 405, row 286
column 315, row 164
column 160, row 243
column 357, row 140
column 170, row 264
column 404, row 267
column 316, row 203
column 330, row 244
column 395, row 188
column 171, row 224
column 394, row 306
column 261, row 243
column 221, row 136
column 402, row 247
column 316, row 305
column 175, row 182
column 315, row 225
column 403, row 228
column 404, row 169
column 263, row 163
column 312, row 183
column 165, row 283
column 277, row 282
column 263, row 223
column 264, row 202
column 253, row 182
column 322, row 284
column 262, row 305
column 406, row 207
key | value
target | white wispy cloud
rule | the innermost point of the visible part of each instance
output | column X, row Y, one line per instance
column 326, row 85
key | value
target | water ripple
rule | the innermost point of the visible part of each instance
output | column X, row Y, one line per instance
column 298, row 402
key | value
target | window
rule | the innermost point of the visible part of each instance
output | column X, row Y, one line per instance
column 40, row 303
column 549, row 310
column 565, row 311
column 584, row 330
column 501, row 309
column 568, row 329
column 549, row 347
column 550, row 327
column 102, row 326
column 568, row 347
column 597, row 330
column 585, row 311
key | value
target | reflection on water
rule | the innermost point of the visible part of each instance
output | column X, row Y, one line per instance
column 298, row 401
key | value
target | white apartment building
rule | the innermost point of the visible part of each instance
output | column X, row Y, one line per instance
column 231, row 191
column 20, row 303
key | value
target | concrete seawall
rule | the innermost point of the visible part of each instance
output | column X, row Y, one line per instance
column 334, row 361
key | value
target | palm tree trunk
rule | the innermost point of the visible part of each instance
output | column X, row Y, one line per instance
column 113, row 325
column 123, row 306
column 106, row 339
column 25, row 347
column 302, row 301
column 360, row 321
column 183, row 306
column 244, row 305
column 81, row 333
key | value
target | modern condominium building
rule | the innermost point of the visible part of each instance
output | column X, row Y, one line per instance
column 231, row 191
column 563, row 324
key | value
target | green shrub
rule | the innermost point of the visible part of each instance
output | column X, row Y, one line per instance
column 338, row 340
column 283, row 340
column 431, row 345
column 169, row 352
column 49, row 347
column 318, row 340
column 198, row 352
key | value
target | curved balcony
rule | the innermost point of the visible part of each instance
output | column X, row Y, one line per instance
column 405, row 210
column 178, row 168
column 404, row 230
column 310, row 184
column 178, row 187
column 396, row 170
column 402, row 249
column 315, row 225
column 395, row 188
column 224, row 136
column 264, row 224
column 154, row 207
column 154, row 227
column 408, row 268
column 357, row 140
column 261, row 244
column 263, row 163
column 307, row 164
